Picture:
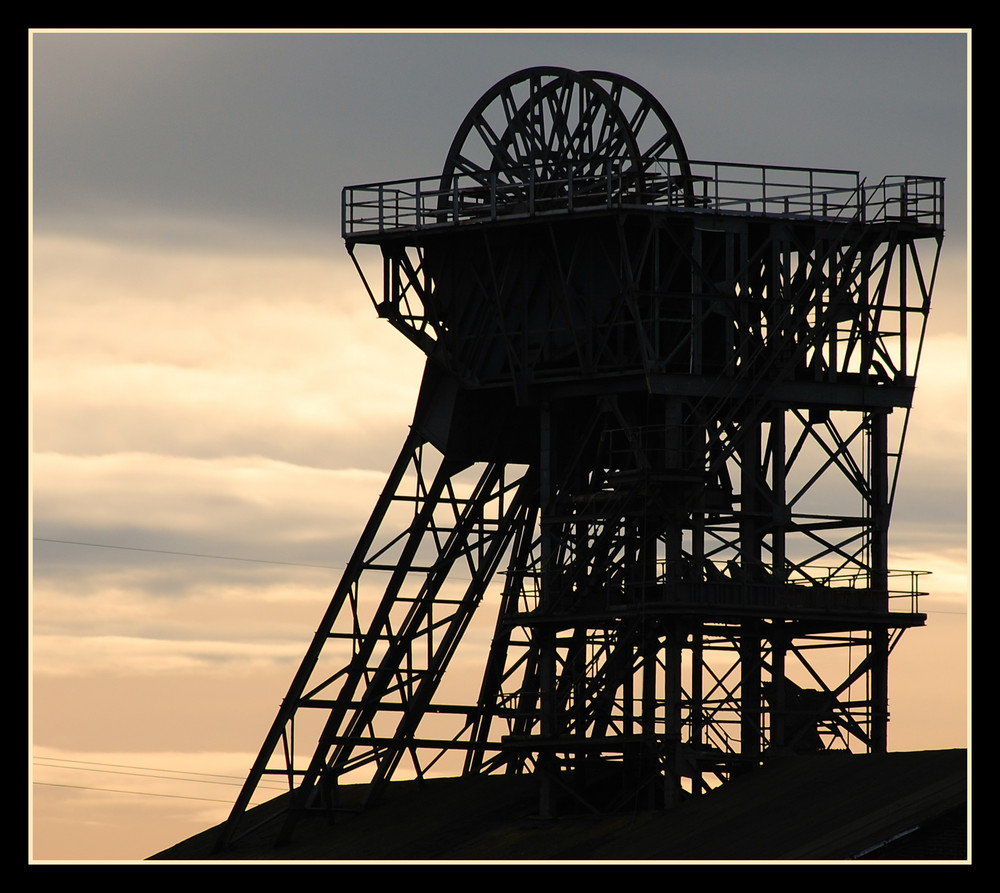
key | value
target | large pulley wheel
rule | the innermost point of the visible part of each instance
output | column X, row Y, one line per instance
column 558, row 129
column 656, row 136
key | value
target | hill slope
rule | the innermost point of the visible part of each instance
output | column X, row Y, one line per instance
column 830, row 805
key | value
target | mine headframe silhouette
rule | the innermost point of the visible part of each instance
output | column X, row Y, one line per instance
column 655, row 446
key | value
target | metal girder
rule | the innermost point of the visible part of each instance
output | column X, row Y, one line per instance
column 392, row 628
column 659, row 430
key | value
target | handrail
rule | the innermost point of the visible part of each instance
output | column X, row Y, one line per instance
column 910, row 198
column 820, row 587
column 718, row 187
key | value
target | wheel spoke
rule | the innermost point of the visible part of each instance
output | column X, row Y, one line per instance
column 551, row 124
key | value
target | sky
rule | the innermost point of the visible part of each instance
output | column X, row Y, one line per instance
column 214, row 404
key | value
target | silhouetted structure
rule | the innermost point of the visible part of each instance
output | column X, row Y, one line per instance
column 658, row 433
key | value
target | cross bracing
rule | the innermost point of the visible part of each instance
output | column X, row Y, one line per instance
column 654, row 455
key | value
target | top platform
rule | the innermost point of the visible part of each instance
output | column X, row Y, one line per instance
column 373, row 210
column 551, row 141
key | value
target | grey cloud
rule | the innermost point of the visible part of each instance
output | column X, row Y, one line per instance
column 267, row 128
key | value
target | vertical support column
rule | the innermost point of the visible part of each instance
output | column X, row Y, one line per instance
column 879, row 576
column 648, row 749
column 698, row 302
column 696, row 708
column 673, row 534
column 779, row 520
column 673, row 650
column 779, row 645
column 640, row 580
column 750, row 558
column 779, row 508
column 878, row 423
column 545, row 633
column 750, row 691
column 750, row 500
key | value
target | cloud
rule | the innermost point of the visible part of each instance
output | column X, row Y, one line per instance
column 127, row 656
column 209, row 355
column 253, row 508
column 271, row 126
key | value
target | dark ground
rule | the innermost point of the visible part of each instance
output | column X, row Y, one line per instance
column 824, row 806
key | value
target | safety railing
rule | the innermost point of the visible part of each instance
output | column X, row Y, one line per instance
column 906, row 198
column 730, row 585
column 718, row 187
column 776, row 190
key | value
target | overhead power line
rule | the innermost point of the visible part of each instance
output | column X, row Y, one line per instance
column 330, row 567
column 79, row 787
column 174, row 775
column 42, row 539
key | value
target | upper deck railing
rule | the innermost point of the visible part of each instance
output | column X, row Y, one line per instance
column 824, row 589
column 707, row 186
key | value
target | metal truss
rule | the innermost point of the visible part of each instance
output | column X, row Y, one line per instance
column 659, row 434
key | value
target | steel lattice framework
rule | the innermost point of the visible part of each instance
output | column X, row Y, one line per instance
column 657, row 436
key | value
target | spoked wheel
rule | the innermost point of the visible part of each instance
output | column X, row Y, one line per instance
column 545, row 133
column 663, row 159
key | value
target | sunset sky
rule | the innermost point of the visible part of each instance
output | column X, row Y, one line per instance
column 214, row 404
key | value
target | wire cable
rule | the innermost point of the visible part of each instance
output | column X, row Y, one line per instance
column 42, row 539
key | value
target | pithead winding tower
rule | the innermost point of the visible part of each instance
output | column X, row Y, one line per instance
column 657, row 440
